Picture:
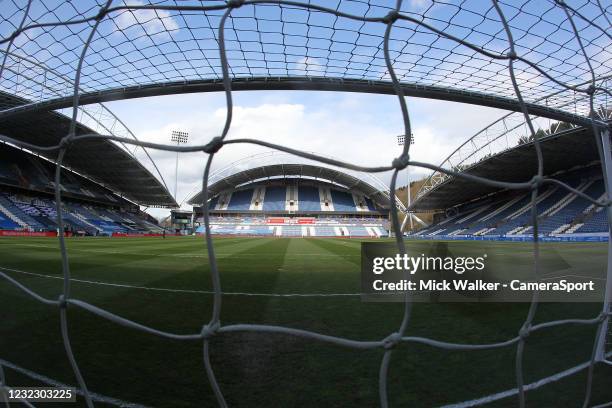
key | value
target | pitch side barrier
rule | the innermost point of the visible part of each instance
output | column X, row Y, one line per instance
column 53, row 234
column 13, row 233
column 512, row 239
column 200, row 234
column 124, row 235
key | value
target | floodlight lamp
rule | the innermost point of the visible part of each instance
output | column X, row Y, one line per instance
column 179, row 137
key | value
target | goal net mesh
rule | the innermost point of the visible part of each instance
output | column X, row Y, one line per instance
column 535, row 57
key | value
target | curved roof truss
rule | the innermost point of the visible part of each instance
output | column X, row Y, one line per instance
column 98, row 117
column 503, row 134
column 564, row 150
column 297, row 170
column 98, row 159
column 302, row 84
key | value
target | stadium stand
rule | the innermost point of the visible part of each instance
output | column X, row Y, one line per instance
column 27, row 203
column 560, row 213
column 295, row 227
column 342, row 201
column 309, row 198
column 241, row 200
column 596, row 222
column 6, row 223
column 370, row 204
column 274, row 199
column 290, row 231
column 288, row 205
column 36, row 213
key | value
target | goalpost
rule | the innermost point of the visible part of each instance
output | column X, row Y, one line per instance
column 520, row 96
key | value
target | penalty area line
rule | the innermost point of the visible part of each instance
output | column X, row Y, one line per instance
column 49, row 381
column 192, row 291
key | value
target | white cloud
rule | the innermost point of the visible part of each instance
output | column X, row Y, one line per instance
column 152, row 22
column 292, row 125
column 356, row 128
column 309, row 65
column 419, row 5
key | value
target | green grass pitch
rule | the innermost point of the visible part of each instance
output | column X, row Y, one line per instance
column 270, row 370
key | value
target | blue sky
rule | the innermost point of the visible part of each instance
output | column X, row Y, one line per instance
column 147, row 46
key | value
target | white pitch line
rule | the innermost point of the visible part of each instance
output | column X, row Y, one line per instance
column 186, row 255
column 49, row 381
column 192, row 291
column 572, row 276
column 514, row 391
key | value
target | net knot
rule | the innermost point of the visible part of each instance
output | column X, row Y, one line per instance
column 214, row 145
column 209, row 330
column 15, row 34
column 537, row 181
column 391, row 17
column 66, row 141
column 101, row 14
column 391, row 341
column 512, row 55
column 602, row 317
column 590, row 90
column 61, row 302
column 524, row 332
column 401, row 162
column 235, row 3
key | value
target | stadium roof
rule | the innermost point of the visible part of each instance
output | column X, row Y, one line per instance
column 561, row 152
column 98, row 159
column 305, row 171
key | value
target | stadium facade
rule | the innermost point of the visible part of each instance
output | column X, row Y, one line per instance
column 467, row 210
column 102, row 184
column 293, row 200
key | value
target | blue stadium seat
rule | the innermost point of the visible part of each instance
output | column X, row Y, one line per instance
column 370, row 204
column 324, row 231
column 291, row 231
column 557, row 212
column 6, row 223
column 343, row 201
column 241, row 200
column 309, row 199
column 213, row 203
column 39, row 214
column 274, row 199
column 358, row 232
column 598, row 222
